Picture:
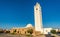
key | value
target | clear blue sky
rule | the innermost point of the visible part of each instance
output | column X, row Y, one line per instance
column 18, row 13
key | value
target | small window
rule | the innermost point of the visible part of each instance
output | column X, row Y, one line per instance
column 36, row 8
column 18, row 31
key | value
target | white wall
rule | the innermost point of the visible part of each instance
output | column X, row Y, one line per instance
column 47, row 30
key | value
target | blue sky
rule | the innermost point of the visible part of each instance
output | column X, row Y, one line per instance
column 18, row 13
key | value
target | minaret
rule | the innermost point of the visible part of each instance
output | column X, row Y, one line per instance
column 38, row 18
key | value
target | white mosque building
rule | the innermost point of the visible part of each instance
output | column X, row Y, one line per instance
column 38, row 21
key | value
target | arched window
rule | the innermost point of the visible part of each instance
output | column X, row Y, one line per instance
column 36, row 8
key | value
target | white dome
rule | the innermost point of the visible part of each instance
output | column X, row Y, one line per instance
column 29, row 25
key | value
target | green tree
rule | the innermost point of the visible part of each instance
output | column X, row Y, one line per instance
column 53, row 31
column 7, row 32
column 14, row 30
column 30, row 31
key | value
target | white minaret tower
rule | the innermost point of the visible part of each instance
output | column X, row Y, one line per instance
column 38, row 18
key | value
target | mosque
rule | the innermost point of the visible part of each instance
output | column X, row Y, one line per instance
column 38, row 29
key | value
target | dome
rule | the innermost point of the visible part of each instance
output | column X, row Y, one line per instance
column 29, row 25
